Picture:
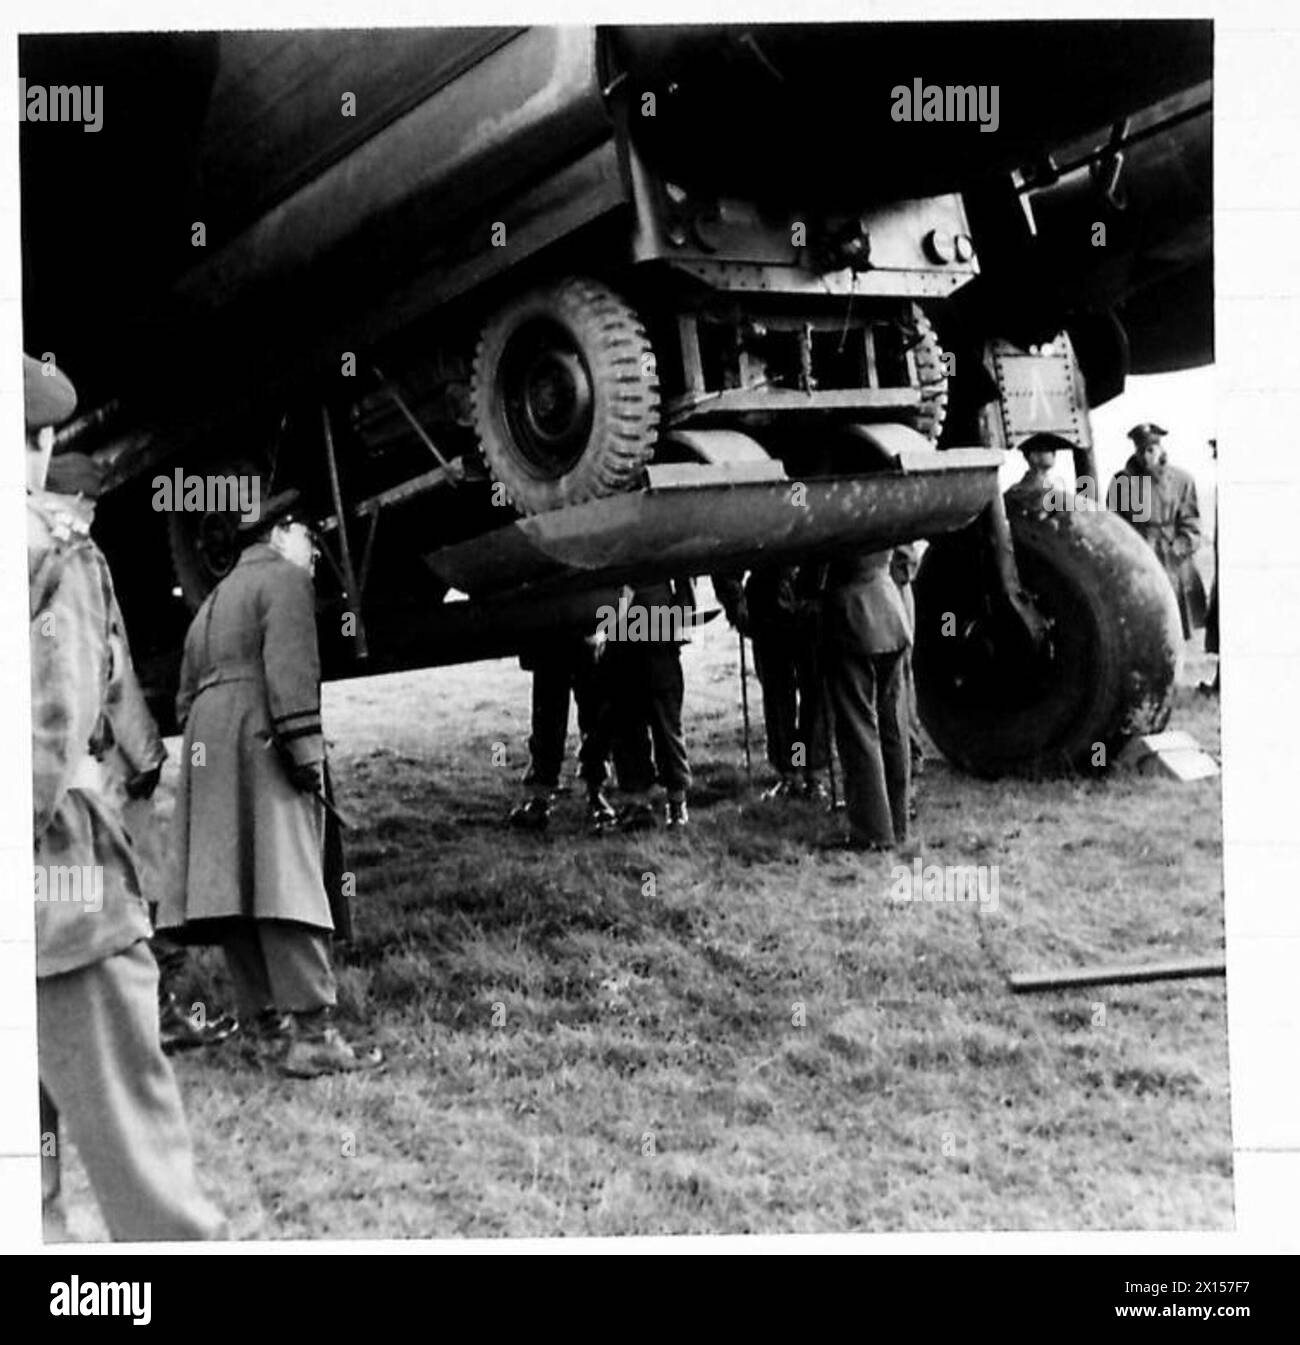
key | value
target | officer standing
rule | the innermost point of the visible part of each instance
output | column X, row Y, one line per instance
column 777, row 608
column 866, row 638
column 100, row 1062
column 1159, row 500
column 564, row 668
column 248, row 835
column 643, row 693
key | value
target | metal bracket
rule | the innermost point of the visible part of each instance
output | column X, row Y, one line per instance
column 398, row 401
column 998, row 532
column 351, row 590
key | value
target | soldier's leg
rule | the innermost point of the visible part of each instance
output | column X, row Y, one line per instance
column 776, row 675
column 550, row 730
column 852, row 685
column 298, row 966
column 242, row 947
column 630, row 696
column 302, row 979
column 915, row 742
column 550, row 722
column 170, row 958
column 814, row 730
column 892, row 710
column 594, row 722
column 51, row 1166
column 179, row 1030
column 667, row 694
column 629, row 704
column 102, row 1065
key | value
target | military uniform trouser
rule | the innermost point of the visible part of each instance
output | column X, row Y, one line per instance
column 794, row 703
column 1212, row 615
column 870, row 711
column 169, row 956
column 280, row 965
column 646, row 689
column 555, row 678
column 102, row 1067
column 915, row 742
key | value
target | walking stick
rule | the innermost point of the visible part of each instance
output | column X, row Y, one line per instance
column 269, row 742
column 744, row 709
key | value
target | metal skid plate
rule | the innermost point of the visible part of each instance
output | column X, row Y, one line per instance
column 719, row 522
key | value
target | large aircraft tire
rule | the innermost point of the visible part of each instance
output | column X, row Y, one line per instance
column 992, row 703
column 566, row 396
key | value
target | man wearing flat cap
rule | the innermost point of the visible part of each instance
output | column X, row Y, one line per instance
column 248, row 829
column 1159, row 500
column 1034, row 492
column 100, row 1061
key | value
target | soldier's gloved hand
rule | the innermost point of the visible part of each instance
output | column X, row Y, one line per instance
column 143, row 783
column 308, row 777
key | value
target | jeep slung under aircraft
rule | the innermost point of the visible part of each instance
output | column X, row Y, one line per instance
column 527, row 314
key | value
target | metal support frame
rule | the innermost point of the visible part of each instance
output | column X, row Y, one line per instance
column 399, row 402
column 998, row 532
column 351, row 590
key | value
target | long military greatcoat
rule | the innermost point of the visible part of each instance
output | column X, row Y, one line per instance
column 1162, row 507
column 79, row 839
column 246, row 842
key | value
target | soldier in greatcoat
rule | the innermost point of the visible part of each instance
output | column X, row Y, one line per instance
column 866, row 636
column 248, row 828
column 100, row 1061
column 1159, row 500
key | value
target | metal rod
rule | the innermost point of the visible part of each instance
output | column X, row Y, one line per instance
column 828, row 717
column 1025, row 981
column 1147, row 132
column 416, row 426
column 368, row 550
column 269, row 743
column 998, row 532
column 744, row 708
column 352, row 596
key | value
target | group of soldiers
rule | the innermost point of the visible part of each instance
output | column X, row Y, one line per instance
column 250, row 850
column 831, row 646
column 1158, row 499
column 254, row 866
column 629, row 696
column 832, row 650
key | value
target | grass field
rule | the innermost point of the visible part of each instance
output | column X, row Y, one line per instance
column 732, row 1030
